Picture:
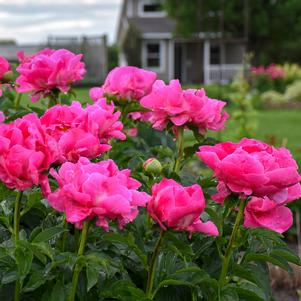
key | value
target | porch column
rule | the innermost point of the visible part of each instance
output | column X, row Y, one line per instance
column 171, row 59
column 206, row 60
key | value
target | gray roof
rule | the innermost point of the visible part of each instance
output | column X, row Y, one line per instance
column 146, row 25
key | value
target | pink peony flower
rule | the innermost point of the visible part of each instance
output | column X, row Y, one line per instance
column 271, row 71
column 169, row 103
column 96, row 93
column 2, row 117
column 47, row 71
column 265, row 213
column 177, row 207
column 253, row 168
column 25, row 152
column 87, row 190
column 103, row 122
column 81, row 132
column 130, row 83
column 4, row 69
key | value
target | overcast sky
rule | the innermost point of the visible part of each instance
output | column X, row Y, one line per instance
column 31, row 21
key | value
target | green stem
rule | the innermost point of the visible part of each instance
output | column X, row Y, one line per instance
column 16, row 230
column 18, row 100
column 152, row 266
column 180, row 148
column 80, row 253
column 231, row 245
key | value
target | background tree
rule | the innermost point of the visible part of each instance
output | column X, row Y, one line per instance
column 272, row 28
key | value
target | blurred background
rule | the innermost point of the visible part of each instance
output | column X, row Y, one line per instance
column 246, row 52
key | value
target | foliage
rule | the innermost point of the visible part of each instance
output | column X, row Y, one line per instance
column 113, row 52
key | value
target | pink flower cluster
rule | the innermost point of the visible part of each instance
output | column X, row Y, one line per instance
column 87, row 190
column 126, row 83
column 4, row 69
column 267, row 175
column 169, row 103
column 271, row 71
column 80, row 132
column 177, row 207
column 25, row 153
column 47, row 71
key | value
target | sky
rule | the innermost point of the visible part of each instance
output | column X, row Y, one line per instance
column 31, row 21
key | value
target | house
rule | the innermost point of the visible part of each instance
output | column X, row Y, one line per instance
column 146, row 39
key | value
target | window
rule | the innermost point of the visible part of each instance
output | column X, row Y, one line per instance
column 153, row 59
column 152, row 7
column 215, row 54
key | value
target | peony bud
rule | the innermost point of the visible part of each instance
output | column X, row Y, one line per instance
column 7, row 77
column 152, row 166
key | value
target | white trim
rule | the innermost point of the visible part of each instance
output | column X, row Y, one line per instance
column 171, row 59
column 206, row 62
column 157, row 35
column 142, row 13
column 130, row 8
column 162, row 66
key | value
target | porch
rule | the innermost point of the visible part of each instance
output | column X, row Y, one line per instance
column 207, row 61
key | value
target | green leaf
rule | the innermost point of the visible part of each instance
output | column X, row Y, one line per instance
column 48, row 234
column 57, row 293
column 42, row 248
column 24, row 257
column 36, row 279
column 124, row 290
column 248, row 292
column 286, row 254
column 128, row 240
column 267, row 258
column 94, row 265
column 228, row 294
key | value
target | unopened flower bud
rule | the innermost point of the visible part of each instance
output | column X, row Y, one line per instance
column 152, row 166
column 7, row 77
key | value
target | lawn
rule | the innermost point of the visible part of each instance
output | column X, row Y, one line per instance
column 274, row 126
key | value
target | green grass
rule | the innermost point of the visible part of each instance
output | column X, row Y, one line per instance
column 278, row 127
column 275, row 126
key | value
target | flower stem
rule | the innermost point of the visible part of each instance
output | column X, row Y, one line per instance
column 16, row 237
column 152, row 265
column 180, row 148
column 80, row 253
column 18, row 100
column 231, row 245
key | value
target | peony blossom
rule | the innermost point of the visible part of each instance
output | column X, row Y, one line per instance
column 253, row 168
column 4, row 69
column 87, row 190
column 2, row 117
column 190, row 108
column 177, row 207
column 265, row 213
column 96, row 93
column 80, row 132
column 127, row 83
column 49, row 71
column 272, row 71
column 25, row 152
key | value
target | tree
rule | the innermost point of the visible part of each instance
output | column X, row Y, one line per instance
column 272, row 27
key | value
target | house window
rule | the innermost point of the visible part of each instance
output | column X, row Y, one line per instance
column 215, row 55
column 153, row 57
column 152, row 7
